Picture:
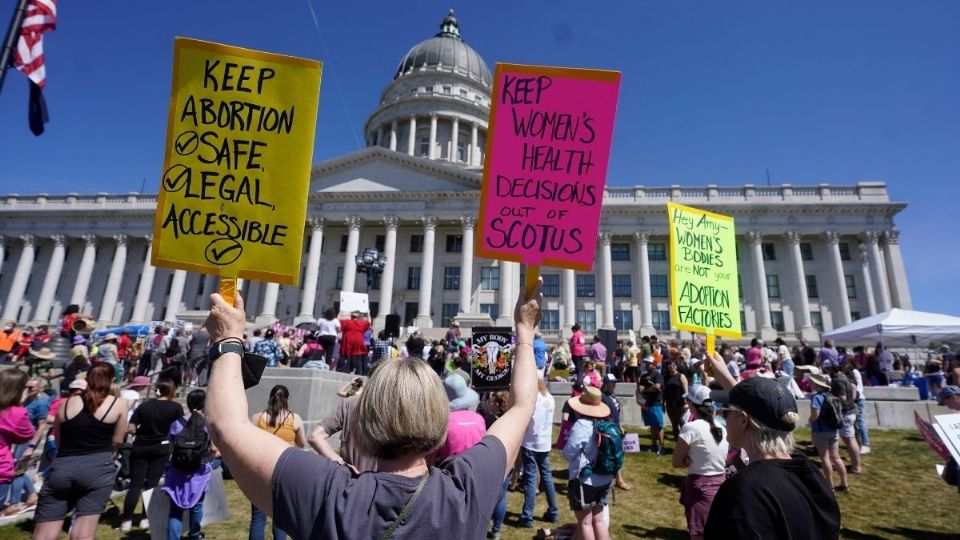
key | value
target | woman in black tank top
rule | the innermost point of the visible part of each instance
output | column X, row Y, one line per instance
column 674, row 388
column 81, row 477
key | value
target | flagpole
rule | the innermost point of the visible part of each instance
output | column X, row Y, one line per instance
column 10, row 41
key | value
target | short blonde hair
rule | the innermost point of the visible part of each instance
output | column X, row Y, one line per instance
column 403, row 410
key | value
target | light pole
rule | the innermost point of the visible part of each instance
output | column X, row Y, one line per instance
column 370, row 262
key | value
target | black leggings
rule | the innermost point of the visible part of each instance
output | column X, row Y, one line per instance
column 328, row 343
column 146, row 468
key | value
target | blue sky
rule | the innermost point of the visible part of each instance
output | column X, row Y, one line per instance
column 713, row 92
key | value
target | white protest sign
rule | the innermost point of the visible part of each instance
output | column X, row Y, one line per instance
column 947, row 427
column 350, row 302
column 631, row 443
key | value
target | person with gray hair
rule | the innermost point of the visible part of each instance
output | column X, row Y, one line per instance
column 780, row 494
column 401, row 417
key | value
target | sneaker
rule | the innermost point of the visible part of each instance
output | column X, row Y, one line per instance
column 659, row 451
column 144, row 523
column 864, row 450
column 525, row 524
column 126, row 526
column 551, row 518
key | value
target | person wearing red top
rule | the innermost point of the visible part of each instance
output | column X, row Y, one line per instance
column 577, row 348
column 124, row 348
column 15, row 426
column 352, row 345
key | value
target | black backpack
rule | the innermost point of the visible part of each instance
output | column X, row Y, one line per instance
column 190, row 448
column 831, row 413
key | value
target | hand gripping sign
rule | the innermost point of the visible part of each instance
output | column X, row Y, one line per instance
column 546, row 165
column 236, row 173
column 704, row 289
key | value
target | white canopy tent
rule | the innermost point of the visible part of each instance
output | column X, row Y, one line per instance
column 898, row 328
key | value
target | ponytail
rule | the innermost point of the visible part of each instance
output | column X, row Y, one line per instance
column 708, row 413
column 196, row 400
column 278, row 403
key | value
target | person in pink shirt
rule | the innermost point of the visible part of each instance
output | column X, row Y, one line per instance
column 578, row 349
column 15, row 426
column 465, row 427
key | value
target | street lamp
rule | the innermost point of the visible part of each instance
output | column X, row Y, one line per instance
column 370, row 262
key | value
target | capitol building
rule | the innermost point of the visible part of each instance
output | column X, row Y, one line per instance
column 811, row 257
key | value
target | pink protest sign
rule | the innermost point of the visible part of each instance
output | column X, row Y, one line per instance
column 546, row 164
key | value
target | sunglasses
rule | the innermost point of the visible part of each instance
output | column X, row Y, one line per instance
column 31, row 387
column 725, row 411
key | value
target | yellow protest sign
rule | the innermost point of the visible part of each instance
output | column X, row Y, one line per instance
column 236, row 170
column 704, row 295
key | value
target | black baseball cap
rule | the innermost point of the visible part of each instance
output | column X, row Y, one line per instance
column 766, row 400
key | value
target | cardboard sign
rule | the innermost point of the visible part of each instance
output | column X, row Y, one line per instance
column 631, row 443
column 546, row 164
column 703, row 272
column 236, row 171
column 351, row 301
column 492, row 358
column 947, row 427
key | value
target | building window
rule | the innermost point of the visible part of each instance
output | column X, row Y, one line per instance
column 816, row 319
column 490, row 279
column 343, row 243
column 844, row 251
column 851, row 286
column 776, row 319
column 739, row 286
column 656, row 251
column 586, row 285
column 461, row 151
column 620, row 251
column 587, row 319
column 463, row 92
column 550, row 319
column 375, row 284
column 424, row 146
column 812, row 291
column 551, row 285
column 416, row 243
column 454, row 243
column 623, row 319
column 768, row 250
column 743, row 321
column 451, row 278
column 806, row 251
column 413, row 278
column 659, row 286
column 339, row 282
column 447, row 89
column 380, row 243
column 661, row 320
column 773, row 285
column 621, row 285
column 492, row 310
column 854, row 316
column 448, row 313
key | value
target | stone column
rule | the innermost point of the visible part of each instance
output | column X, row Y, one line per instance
column 113, row 282
column 50, row 281
column 176, row 295
column 606, row 280
column 350, row 258
column 867, row 281
column 146, row 285
column 840, row 291
column 766, row 328
column 210, row 283
column 432, row 152
column 466, row 263
column 506, row 294
column 308, row 295
column 20, row 279
column 85, row 272
column 393, row 135
column 646, row 302
column 389, row 271
column 454, row 139
column 569, row 298
column 380, row 136
column 896, row 272
column 268, row 311
column 878, row 272
column 474, row 148
column 423, row 319
column 412, row 137
column 806, row 325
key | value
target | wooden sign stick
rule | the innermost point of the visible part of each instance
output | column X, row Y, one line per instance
column 531, row 279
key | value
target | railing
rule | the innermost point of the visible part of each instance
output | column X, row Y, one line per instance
column 871, row 191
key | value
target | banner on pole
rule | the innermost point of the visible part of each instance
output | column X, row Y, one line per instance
column 236, row 173
column 704, row 287
column 546, row 164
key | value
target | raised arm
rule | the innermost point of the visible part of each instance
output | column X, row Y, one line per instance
column 249, row 452
column 509, row 429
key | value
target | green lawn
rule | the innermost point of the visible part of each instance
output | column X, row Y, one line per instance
column 899, row 496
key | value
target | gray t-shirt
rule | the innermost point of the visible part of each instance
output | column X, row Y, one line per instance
column 315, row 498
column 339, row 421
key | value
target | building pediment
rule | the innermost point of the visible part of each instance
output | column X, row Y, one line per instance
column 376, row 169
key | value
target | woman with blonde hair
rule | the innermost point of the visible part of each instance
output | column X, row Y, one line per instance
column 401, row 417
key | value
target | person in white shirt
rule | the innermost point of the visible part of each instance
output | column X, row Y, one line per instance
column 701, row 449
column 535, row 454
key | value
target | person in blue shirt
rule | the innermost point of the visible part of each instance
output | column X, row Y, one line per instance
column 268, row 348
column 826, row 439
column 540, row 354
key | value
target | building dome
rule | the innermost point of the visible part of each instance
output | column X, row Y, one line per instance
column 446, row 51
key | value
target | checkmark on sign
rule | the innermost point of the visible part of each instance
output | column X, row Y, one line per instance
column 187, row 143
column 175, row 178
column 223, row 251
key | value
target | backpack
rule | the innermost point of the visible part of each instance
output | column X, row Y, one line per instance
column 831, row 412
column 190, row 448
column 609, row 448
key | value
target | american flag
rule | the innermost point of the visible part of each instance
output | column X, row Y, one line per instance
column 41, row 15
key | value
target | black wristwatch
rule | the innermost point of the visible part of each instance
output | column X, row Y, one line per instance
column 222, row 347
